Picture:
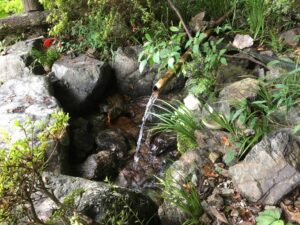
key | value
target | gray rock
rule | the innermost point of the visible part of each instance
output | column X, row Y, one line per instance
column 116, row 141
column 130, row 81
column 290, row 37
column 270, row 170
column 29, row 97
column 112, row 150
column 187, row 168
column 289, row 118
column 98, row 166
column 14, row 63
column 240, row 90
column 80, row 82
column 98, row 201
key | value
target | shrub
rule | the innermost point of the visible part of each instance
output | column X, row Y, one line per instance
column 21, row 167
column 8, row 7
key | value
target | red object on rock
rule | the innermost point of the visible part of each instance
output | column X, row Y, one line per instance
column 48, row 42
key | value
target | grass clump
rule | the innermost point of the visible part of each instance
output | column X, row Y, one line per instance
column 184, row 196
column 176, row 119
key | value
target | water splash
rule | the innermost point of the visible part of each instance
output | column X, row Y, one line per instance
column 149, row 106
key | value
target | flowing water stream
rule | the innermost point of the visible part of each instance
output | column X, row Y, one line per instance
column 149, row 106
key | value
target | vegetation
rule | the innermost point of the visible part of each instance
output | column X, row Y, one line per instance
column 270, row 217
column 184, row 196
column 9, row 7
column 22, row 165
column 104, row 25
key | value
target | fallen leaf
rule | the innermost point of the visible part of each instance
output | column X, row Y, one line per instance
column 242, row 41
column 219, row 215
column 208, row 171
column 290, row 216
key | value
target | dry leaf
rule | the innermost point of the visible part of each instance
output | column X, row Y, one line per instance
column 291, row 216
column 208, row 171
column 219, row 215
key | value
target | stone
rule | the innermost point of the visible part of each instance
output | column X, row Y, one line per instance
column 290, row 118
column 113, row 146
column 290, row 37
column 163, row 143
column 14, row 64
column 242, row 41
column 30, row 97
column 80, row 82
column 98, row 201
column 187, row 168
column 270, row 170
column 240, row 90
column 133, row 83
column 98, row 166
column 116, row 141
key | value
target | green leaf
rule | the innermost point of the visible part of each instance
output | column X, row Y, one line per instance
column 278, row 222
column 229, row 156
column 142, row 65
column 223, row 61
column 148, row 37
column 174, row 29
column 156, row 58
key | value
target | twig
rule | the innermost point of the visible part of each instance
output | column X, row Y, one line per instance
column 188, row 33
column 247, row 58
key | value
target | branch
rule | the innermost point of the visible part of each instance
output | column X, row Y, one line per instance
column 188, row 33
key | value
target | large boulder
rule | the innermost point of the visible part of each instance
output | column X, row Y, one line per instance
column 99, row 200
column 15, row 61
column 270, row 170
column 79, row 82
column 29, row 97
column 129, row 79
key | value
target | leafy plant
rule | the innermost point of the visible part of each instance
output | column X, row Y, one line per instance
column 22, row 165
column 270, row 217
column 8, row 7
column 176, row 119
column 45, row 57
column 184, row 196
column 165, row 53
column 256, row 16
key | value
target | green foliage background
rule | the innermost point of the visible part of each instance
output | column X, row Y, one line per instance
column 8, row 7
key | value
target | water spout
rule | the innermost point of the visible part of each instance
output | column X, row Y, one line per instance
column 149, row 106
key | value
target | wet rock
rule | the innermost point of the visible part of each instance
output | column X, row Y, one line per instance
column 80, row 82
column 169, row 214
column 241, row 90
column 130, row 81
column 98, row 201
column 116, row 141
column 98, row 166
column 30, row 97
column 14, row 64
column 82, row 142
column 163, row 143
column 112, row 150
column 270, row 170
column 290, row 37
